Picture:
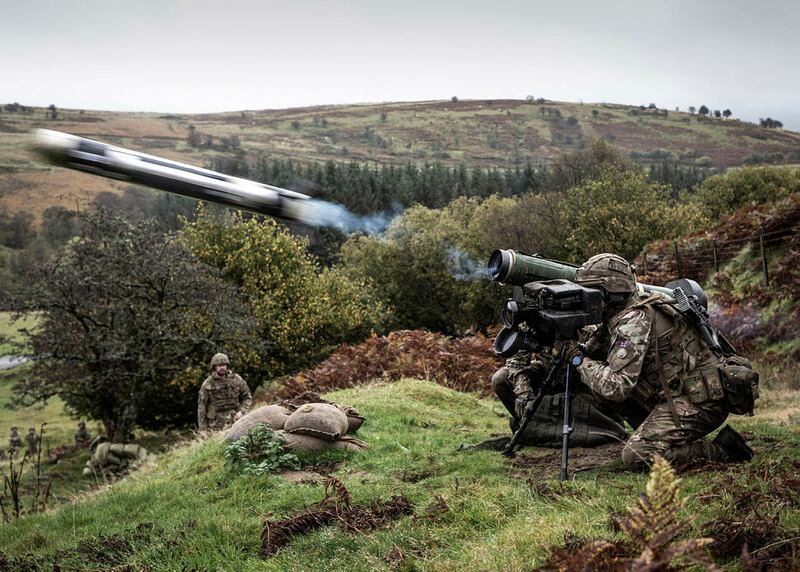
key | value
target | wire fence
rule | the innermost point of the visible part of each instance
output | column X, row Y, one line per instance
column 705, row 257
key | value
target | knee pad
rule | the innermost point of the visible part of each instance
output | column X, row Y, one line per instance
column 500, row 383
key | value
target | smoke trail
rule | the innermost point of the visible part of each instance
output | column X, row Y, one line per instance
column 464, row 268
column 322, row 213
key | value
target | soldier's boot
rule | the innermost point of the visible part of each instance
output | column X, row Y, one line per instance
column 734, row 445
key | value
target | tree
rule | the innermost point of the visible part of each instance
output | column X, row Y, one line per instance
column 621, row 211
column 571, row 169
column 53, row 112
column 16, row 231
column 717, row 113
column 128, row 319
column 724, row 193
column 59, row 225
column 692, row 109
column 454, row 99
column 703, row 110
column 727, row 113
column 302, row 311
column 770, row 123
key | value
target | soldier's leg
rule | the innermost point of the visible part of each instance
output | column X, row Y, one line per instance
column 501, row 385
column 678, row 444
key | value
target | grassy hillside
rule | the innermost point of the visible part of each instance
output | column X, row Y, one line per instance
column 470, row 510
column 483, row 133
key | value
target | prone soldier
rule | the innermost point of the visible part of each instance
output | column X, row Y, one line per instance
column 224, row 396
column 108, row 458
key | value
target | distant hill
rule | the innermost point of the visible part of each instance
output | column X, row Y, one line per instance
column 485, row 133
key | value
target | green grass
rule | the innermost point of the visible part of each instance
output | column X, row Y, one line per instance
column 10, row 328
column 188, row 511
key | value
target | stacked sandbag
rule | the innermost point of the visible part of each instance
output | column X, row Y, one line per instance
column 354, row 418
column 274, row 416
column 317, row 426
column 310, row 426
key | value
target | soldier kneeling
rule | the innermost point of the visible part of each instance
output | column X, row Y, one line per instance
column 517, row 382
column 658, row 362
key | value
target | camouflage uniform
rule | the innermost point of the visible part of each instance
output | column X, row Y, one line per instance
column 220, row 399
column 32, row 439
column 82, row 437
column 592, row 423
column 658, row 363
column 14, row 442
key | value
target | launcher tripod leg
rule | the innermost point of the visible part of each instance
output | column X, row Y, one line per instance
column 530, row 411
column 567, row 423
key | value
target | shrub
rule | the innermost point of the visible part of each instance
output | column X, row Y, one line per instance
column 723, row 194
column 302, row 311
column 463, row 364
column 260, row 452
column 620, row 211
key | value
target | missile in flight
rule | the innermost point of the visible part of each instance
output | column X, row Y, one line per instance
column 114, row 162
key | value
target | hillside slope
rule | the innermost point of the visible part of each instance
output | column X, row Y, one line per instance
column 470, row 510
column 498, row 133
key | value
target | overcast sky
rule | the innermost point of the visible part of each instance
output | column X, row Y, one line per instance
column 211, row 55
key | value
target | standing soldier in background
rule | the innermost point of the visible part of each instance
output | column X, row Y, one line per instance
column 224, row 396
column 82, row 437
column 32, row 439
column 14, row 442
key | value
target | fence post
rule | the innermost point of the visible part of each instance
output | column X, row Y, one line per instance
column 644, row 261
column 677, row 258
column 714, row 250
column 764, row 258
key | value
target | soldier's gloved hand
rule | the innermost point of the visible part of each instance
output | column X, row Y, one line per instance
column 571, row 350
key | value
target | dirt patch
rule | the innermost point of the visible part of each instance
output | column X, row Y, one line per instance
column 302, row 477
column 335, row 507
column 539, row 463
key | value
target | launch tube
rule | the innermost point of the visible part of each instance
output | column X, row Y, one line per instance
column 512, row 267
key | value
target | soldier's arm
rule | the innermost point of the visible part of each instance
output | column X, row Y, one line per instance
column 615, row 378
column 202, row 402
column 245, row 397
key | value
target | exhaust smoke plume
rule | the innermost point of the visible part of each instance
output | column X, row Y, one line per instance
column 464, row 268
column 317, row 212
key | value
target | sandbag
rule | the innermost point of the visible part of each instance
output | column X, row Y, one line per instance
column 318, row 420
column 274, row 416
column 349, row 444
column 354, row 418
column 305, row 442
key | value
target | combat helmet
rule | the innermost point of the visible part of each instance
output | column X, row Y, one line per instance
column 608, row 271
column 220, row 359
